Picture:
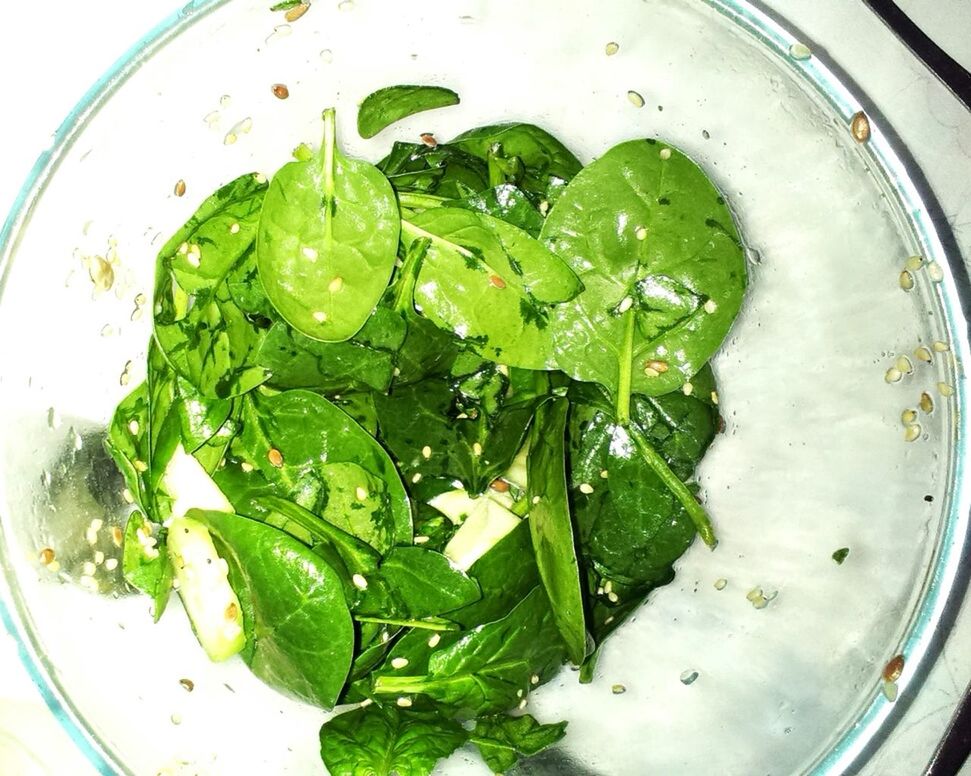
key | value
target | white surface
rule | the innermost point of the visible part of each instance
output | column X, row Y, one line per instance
column 46, row 64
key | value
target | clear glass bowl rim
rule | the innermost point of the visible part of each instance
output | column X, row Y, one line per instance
column 943, row 582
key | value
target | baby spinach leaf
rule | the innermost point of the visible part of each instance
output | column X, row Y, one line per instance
column 441, row 170
column 360, row 407
column 300, row 638
column 489, row 283
column 524, row 155
column 312, row 453
column 145, row 567
column 203, row 333
column 662, row 267
column 327, row 241
column 366, row 361
column 384, row 107
column 127, row 442
column 380, row 740
column 502, row 739
column 489, row 669
column 551, row 526
column 507, row 202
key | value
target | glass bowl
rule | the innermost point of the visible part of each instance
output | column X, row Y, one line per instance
column 814, row 456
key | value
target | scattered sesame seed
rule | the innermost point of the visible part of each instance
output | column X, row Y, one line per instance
column 246, row 466
column 359, row 582
column 230, row 138
column 476, row 449
column 520, row 692
column 641, row 233
column 232, row 611
column 111, row 564
column 890, row 691
column 211, row 118
column 101, row 272
column 404, row 702
column 720, row 584
column 914, row 263
column 496, row 282
column 309, row 253
column 618, row 689
column 335, row 285
column 91, row 536
column 860, row 127
column 613, row 597
column 535, row 499
column 259, row 177
column 944, row 389
column 658, row 366
column 296, row 12
column 184, row 248
column 88, row 583
column 906, row 280
column 176, row 719
column 544, row 207
column 664, row 154
column 179, row 189
column 926, row 403
column 608, row 585
column 935, row 272
column 800, row 51
column 428, row 139
column 923, row 354
column 522, row 703
column 275, row 457
column 940, row 347
column 426, row 452
column 534, row 679
column 586, row 487
column 385, row 636
column 892, row 375
column 133, row 427
column 46, row 556
column 360, row 493
column 99, row 558
column 225, row 101
column 710, row 306
column 908, row 416
column 609, row 620
column 912, row 432
column 625, row 305
column 280, row 91
column 399, row 662
column 635, row 99
column 117, row 536
column 499, row 486
column 320, row 316
column 416, row 478
column 422, row 539
column 904, row 365
column 434, row 639
column 194, row 255
column 688, row 677
column 611, row 48
column 651, row 372
column 714, row 397
column 187, row 684
column 893, row 669
column 604, row 474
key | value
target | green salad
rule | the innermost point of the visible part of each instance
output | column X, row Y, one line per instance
column 416, row 434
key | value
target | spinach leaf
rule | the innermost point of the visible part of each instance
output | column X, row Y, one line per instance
column 522, row 154
column 379, row 740
column 662, row 267
column 300, row 638
column 146, row 567
column 489, row 669
column 203, row 333
column 502, row 740
column 507, row 202
column 315, row 455
column 327, row 241
column 551, row 526
column 441, row 170
column 127, row 442
column 366, row 361
column 360, row 408
column 384, row 107
column 489, row 283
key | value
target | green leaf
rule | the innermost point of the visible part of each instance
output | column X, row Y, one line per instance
column 384, row 107
column 387, row 741
column 489, row 283
column 524, row 155
column 662, row 267
column 440, row 170
column 202, row 331
column 146, row 567
column 502, row 740
column 324, row 462
column 364, row 362
column 285, row 5
column 551, row 526
column 489, row 669
column 300, row 638
column 327, row 241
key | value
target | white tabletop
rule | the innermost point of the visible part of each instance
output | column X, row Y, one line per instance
column 53, row 51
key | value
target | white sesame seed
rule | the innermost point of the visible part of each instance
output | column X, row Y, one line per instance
column 935, row 272
column 613, row 597
column 586, row 487
column 426, row 452
column 91, row 536
column 926, row 403
column 522, row 703
column 625, row 305
column 89, row 583
column 912, row 432
column 720, row 584
column 907, row 417
column 309, row 253
column 133, row 427
column 320, row 316
column 714, row 397
column 710, row 306
column 890, row 691
column 608, row 586
column 99, row 558
column 641, row 233
column 259, row 178
column 385, row 637
column 234, row 228
column 650, row 371
column 940, row 347
column 335, row 285
column 923, row 354
column 212, row 118
column 176, row 719
column 800, row 51
column 618, row 689
column 635, row 99
column 111, row 564
column 906, row 281
column 404, row 702
column 534, row 679
column 611, row 48
column 944, row 389
column 360, row 493
column 416, row 478
column 904, row 365
column 422, row 539
column 230, row 138
column 194, row 255
column 687, row 388
column 434, row 639
column 476, row 449
column 535, row 499
column 914, row 263
column 88, row 569
column 665, row 153
column 97, row 524
column 609, row 620
column 127, row 496
column 184, row 248
column 399, row 662
column 520, row 692
column 359, row 582
column 604, row 474
column 892, row 375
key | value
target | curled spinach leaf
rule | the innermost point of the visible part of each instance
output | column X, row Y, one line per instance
column 503, row 739
column 384, row 107
column 327, row 241
column 442, row 170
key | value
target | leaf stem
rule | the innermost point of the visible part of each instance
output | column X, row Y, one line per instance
column 404, row 294
column 622, row 407
column 443, row 625
column 673, row 483
column 413, row 200
column 327, row 150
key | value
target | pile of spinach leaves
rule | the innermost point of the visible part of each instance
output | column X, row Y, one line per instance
column 483, row 322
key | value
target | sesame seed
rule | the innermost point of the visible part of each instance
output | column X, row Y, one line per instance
column 434, row 639
column 535, row 499
column 714, row 397
column 385, row 637
column 926, row 403
column 320, row 316
column 117, row 536
column 404, row 702
column 935, row 272
column 422, row 539
column 194, row 255
column 275, row 457
column 499, row 486
column 892, row 375
column 635, row 99
column 586, row 487
column 914, row 263
column 944, row 389
column 88, row 569
column 88, row 583
column 665, row 154
column 522, row 703
column 912, row 433
column 613, row 597
column 416, row 478
column 710, row 306
column 361, row 493
column 609, row 620
column 520, row 692
column 187, row 684
column 618, row 689
column 259, row 177
column 111, row 564
column 211, row 118
column 496, row 282
column 650, row 372
column 399, row 662
column 179, row 189
column 246, row 466
column 923, row 354
column 625, row 305
column 99, row 558
column 907, row 417
column 534, row 679
column 906, row 280
column 359, row 582
column 641, row 233
column 428, row 139
column 860, row 127
column 91, row 536
column 309, row 253
column 133, row 427
column 176, row 719
column 47, row 556
column 296, row 12
column 335, row 285
column 476, row 449
column 688, row 677
column 904, row 365
column 230, row 138
column 611, row 48
column 800, row 51
column 608, row 585
column 658, row 366
column 940, row 347
column 890, row 691
column 234, row 228
column 426, row 452
column 720, row 584
column 232, row 611
column 280, row 91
